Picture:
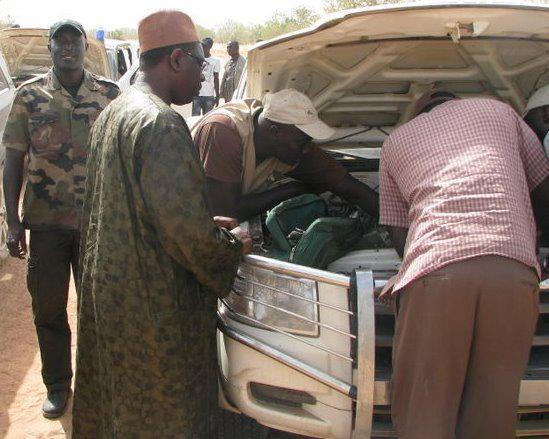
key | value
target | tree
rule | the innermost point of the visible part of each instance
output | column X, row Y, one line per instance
column 6, row 22
column 233, row 30
column 281, row 23
column 204, row 32
column 338, row 5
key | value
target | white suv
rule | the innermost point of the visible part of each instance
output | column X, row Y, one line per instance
column 309, row 351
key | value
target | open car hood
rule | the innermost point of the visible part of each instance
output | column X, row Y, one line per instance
column 26, row 53
column 364, row 68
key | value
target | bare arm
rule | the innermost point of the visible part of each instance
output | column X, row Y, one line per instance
column 540, row 205
column 13, row 181
column 223, row 85
column 358, row 193
column 225, row 198
column 398, row 237
column 216, row 87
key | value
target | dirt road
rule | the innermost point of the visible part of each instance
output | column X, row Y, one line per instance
column 21, row 388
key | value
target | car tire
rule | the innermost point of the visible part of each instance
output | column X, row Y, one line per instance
column 235, row 426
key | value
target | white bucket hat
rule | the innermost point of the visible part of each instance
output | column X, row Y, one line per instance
column 539, row 99
column 291, row 107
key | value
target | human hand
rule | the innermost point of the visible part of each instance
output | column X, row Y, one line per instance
column 16, row 240
column 225, row 222
column 216, row 103
column 244, row 238
column 386, row 296
column 545, row 269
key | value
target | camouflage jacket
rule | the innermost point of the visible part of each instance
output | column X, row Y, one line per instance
column 152, row 266
column 52, row 127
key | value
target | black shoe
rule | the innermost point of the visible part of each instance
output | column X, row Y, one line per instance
column 55, row 403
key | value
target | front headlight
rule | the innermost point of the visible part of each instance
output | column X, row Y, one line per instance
column 270, row 300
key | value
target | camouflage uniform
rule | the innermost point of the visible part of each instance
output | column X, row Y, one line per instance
column 153, row 265
column 51, row 127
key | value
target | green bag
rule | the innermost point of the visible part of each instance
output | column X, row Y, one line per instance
column 292, row 214
column 303, row 234
column 326, row 240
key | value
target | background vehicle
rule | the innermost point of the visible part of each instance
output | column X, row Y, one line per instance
column 129, row 77
column 309, row 351
column 7, row 91
column 27, row 55
column 122, row 56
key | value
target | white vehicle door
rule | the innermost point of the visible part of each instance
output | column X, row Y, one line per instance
column 7, row 91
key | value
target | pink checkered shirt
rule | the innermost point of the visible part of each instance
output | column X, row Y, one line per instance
column 460, row 177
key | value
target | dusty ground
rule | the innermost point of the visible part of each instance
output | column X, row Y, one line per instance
column 21, row 388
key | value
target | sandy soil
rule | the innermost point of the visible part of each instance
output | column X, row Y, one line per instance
column 21, row 388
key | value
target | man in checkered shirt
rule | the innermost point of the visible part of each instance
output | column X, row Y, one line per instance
column 458, row 183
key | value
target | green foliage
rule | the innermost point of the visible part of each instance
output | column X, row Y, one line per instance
column 279, row 23
column 115, row 34
column 338, row 5
column 233, row 30
column 204, row 32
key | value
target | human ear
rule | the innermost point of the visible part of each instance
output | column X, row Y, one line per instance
column 176, row 59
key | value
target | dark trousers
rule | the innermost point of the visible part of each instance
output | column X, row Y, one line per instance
column 461, row 346
column 52, row 253
column 202, row 104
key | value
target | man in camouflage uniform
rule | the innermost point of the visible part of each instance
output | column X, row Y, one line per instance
column 154, row 262
column 49, row 123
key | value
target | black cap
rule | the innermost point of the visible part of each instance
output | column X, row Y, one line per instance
column 208, row 41
column 56, row 27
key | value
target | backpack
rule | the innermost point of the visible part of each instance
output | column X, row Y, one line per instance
column 302, row 232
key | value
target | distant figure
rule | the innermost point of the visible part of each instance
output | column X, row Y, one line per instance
column 233, row 71
column 209, row 93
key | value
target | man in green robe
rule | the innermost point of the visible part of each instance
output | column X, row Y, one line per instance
column 153, row 260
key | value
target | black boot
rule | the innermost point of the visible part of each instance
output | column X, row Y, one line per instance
column 55, row 403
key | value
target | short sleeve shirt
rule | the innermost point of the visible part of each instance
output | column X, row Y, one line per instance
column 213, row 65
column 459, row 178
column 52, row 127
column 220, row 148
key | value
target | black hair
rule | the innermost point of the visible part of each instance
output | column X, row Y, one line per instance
column 438, row 97
column 153, row 57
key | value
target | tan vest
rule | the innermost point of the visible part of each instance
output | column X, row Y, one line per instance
column 254, row 178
